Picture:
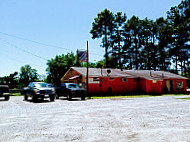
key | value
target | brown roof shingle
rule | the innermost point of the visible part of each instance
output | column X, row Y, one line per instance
column 147, row 74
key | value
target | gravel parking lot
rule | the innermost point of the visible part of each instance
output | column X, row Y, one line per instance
column 154, row 119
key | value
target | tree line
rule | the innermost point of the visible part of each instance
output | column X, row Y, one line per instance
column 56, row 68
column 135, row 43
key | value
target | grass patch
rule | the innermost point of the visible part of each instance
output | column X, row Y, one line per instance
column 134, row 96
column 185, row 98
column 15, row 94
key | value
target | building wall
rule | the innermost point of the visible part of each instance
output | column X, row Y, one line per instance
column 150, row 86
column 115, row 85
column 176, row 86
column 153, row 86
column 142, row 85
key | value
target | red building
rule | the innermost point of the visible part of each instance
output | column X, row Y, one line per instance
column 127, row 81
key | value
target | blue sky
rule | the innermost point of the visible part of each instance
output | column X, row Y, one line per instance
column 63, row 23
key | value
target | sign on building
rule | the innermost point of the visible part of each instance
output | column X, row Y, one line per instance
column 81, row 56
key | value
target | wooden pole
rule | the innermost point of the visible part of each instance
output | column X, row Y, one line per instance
column 87, row 90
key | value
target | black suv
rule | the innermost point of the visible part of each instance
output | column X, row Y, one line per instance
column 4, row 91
column 38, row 90
column 70, row 90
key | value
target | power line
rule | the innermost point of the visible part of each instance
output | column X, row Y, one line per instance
column 16, row 60
column 23, row 49
column 44, row 44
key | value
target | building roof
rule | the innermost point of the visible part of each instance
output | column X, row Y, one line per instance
column 154, row 75
column 98, row 72
column 146, row 74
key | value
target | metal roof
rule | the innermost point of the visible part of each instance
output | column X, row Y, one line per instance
column 146, row 74
column 98, row 72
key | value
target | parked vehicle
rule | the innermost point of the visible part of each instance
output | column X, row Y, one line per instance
column 188, row 90
column 4, row 91
column 38, row 90
column 70, row 90
column 50, row 85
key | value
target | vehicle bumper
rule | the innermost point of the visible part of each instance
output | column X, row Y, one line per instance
column 4, row 94
column 44, row 95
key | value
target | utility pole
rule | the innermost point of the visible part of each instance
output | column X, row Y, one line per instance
column 87, row 73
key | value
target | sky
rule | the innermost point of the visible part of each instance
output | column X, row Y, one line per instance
column 33, row 31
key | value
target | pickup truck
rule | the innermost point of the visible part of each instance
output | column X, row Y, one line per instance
column 70, row 90
column 37, row 90
column 4, row 92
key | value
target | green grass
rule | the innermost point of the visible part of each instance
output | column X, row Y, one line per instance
column 134, row 96
column 15, row 94
column 185, row 98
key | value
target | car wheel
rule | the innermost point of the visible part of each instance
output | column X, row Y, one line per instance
column 25, row 97
column 42, row 98
column 52, row 98
column 34, row 98
column 69, row 97
column 7, row 98
column 83, row 97
column 57, row 96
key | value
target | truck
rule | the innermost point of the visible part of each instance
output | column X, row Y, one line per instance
column 37, row 90
column 4, row 92
column 70, row 90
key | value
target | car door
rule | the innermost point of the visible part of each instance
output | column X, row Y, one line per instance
column 29, row 89
column 62, row 89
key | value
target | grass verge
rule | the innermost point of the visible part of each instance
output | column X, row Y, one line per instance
column 185, row 98
column 15, row 94
column 134, row 96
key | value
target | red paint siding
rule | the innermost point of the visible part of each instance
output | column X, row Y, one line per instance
column 175, row 90
column 153, row 87
column 142, row 85
column 116, row 85
column 150, row 87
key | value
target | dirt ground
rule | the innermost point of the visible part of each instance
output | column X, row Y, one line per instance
column 150, row 119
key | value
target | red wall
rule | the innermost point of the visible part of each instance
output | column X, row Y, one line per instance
column 132, row 86
column 184, row 90
column 116, row 85
column 142, row 85
column 153, row 87
column 148, row 87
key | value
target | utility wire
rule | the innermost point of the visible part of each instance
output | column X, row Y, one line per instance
column 44, row 44
column 23, row 49
column 16, row 60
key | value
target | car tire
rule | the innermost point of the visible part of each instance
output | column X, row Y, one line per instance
column 52, row 98
column 34, row 98
column 25, row 97
column 69, row 97
column 57, row 96
column 7, row 98
column 42, row 98
column 83, row 97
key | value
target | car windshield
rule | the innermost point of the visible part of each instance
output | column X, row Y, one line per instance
column 73, row 86
column 50, row 85
column 41, row 85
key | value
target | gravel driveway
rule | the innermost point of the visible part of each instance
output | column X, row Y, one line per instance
column 102, row 120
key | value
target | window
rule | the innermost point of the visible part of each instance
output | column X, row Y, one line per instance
column 124, row 79
column 179, row 84
column 96, row 79
column 135, row 79
column 154, row 81
column 111, row 78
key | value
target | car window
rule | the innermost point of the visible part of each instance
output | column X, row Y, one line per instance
column 50, row 85
column 40, row 85
column 73, row 86
column 30, row 85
